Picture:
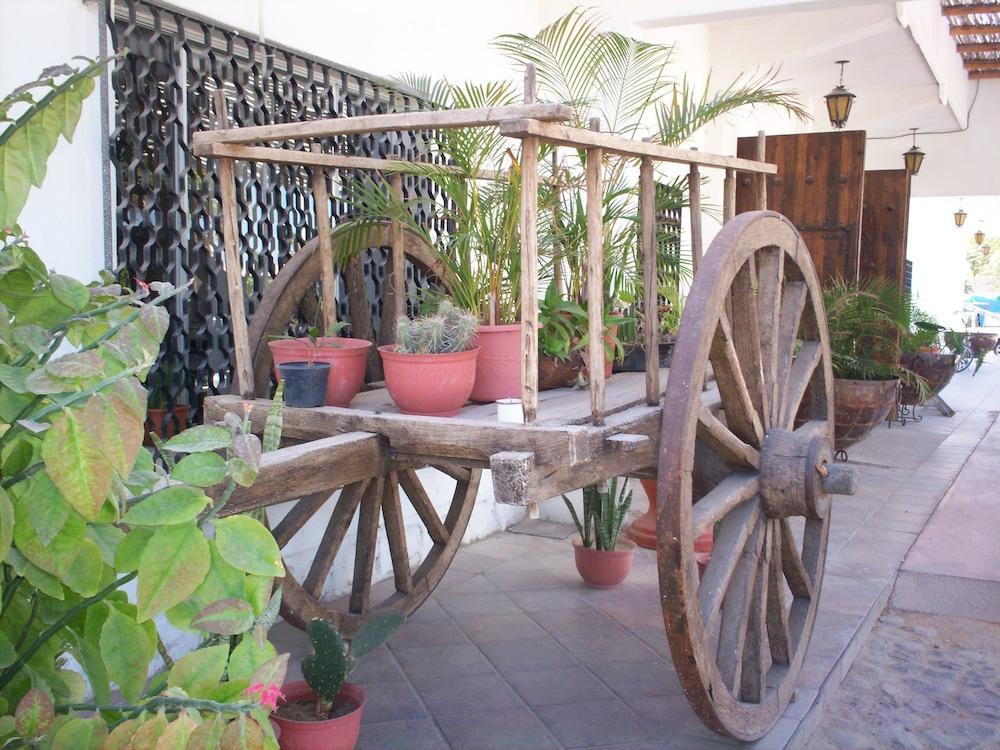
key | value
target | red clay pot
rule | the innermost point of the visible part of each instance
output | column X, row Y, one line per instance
column 333, row 734
column 642, row 531
column 603, row 569
column 347, row 362
column 498, row 368
column 431, row 385
column 164, row 428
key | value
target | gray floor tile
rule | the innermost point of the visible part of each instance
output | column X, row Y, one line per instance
column 524, row 580
column 593, row 724
column 546, row 687
column 492, row 628
column 513, row 729
column 376, row 666
column 466, row 694
column 576, row 623
column 637, row 679
column 439, row 632
column 619, row 646
column 392, row 701
column 548, row 601
column 535, row 653
column 420, row 734
column 459, row 605
column 441, row 661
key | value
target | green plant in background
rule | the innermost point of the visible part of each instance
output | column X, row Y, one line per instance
column 604, row 511
column 922, row 330
column 329, row 665
column 564, row 327
column 450, row 329
column 85, row 510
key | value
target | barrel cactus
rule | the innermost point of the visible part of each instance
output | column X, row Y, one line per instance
column 450, row 329
column 332, row 659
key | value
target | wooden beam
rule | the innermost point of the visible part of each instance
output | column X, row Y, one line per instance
column 694, row 209
column 433, row 120
column 981, row 64
column 761, row 179
column 980, row 75
column 278, row 155
column 650, row 279
column 729, row 196
column 966, row 47
column 308, row 468
column 970, row 9
column 328, row 281
column 595, row 280
column 973, row 30
column 397, row 268
column 563, row 135
column 529, row 279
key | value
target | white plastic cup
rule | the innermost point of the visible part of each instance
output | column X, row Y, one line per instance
column 509, row 410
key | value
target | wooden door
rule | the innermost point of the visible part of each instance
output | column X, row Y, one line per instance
column 819, row 187
column 883, row 224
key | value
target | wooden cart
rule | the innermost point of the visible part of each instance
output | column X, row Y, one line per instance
column 729, row 431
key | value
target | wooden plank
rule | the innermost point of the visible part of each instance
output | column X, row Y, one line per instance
column 441, row 119
column 722, row 499
column 761, row 179
column 308, row 468
column 969, row 9
column 753, row 673
column 627, row 442
column 234, row 268
column 333, row 536
column 366, row 547
column 395, row 532
column 564, row 135
column 729, row 196
column 595, row 283
column 747, row 338
column 793, row 303
column 650, row 279
column 982, row 75
column 798, row 381
column 529, row 278
column 799, row 581
column 974, row 29
column 278, row 155
column 966, row 47
column 770, row 272
column 321, row 200
column 398, row 265
column 981, row 64
column 884, row 223
column 694, row 209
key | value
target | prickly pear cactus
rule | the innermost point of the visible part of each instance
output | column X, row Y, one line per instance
column 328, row 666
column 375, row 631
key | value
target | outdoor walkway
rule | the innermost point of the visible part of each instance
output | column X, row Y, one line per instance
column 513, row 651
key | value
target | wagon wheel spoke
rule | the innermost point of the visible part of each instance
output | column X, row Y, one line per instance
column 723, row 498
column 800, row 376
column 778, row 635
column 730, row 541
column 333, row 537
column 422, row 504
column 736, row 606
column 731, row 449
column 747, row 338
column 364, row 557
column 741, row 415
column 395, row 532
column 753, row 670
column 793, row 301
column 770, row 274
column 799, row 581
column 298, row 517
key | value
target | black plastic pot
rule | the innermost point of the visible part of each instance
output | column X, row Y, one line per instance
column 305, row 384
column 635, row 357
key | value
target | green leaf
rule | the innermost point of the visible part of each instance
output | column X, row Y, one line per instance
column 249, row 655
column 124, row 649
column 173, row 564
column 69, row 291
column 81, row 734
column 246, row 545
column 225, row 617
column 76, row 465
column 177, row 733
column 199, row 438
column 89, row 651
column 58, row 555
column 200, row 671
column 242, row 733
column 208, row 735
column 200, row 469
column 171, row 505
column 84, row 575
column 257, row 591
column 6, row 524
column 15, row 377
column 275, row 417
column 46, row 583
column 33, row 338
column 34, row 714
column 271, row 672
column 131, row 548
column 7, row 653
column 376, row 630
column 107, row 538
column 47, row 509
column 242, row 473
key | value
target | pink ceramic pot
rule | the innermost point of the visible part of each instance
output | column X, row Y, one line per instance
column 432, row 385
column 498, row 369
column 333, row 734
column 642, row 531
column 603, row 569
column 346, row 357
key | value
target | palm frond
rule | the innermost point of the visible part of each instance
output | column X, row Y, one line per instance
column 632, row 78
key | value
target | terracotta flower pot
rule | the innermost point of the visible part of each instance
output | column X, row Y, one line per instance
column 163, row 427
column 982, row 342
column 346, row 357
column 936, row 369
column 558, row 373
column 859, row 407
column 498, row 368
column 642, row 530
column 603, row 569
column 340, row 733
column 431, row 385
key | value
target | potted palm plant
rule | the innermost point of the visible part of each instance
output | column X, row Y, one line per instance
column 921, row 354
column 323, row 711
column 431, row 368
column 603, row 559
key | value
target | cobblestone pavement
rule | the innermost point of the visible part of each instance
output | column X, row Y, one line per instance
column 921, row 681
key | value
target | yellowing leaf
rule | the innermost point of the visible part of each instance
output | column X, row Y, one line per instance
column 208, row 735
column 200, row 671
column 242, row 733
column 125, row 650
column 225, row 617
column 35, row 713
column 172, row 566
column 177, row 733
column 248, row 656
column 246, row 545
column 76, row 465
column 81, row 734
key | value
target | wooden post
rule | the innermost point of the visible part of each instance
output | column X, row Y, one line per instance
column 694, row 208
column 327, row 278
column 529, row 264
column 557, row 260
column 398, row 264
column 595, row 280
column 729, row 196
column 761, row 178
column 650, row 279
column 234, row 269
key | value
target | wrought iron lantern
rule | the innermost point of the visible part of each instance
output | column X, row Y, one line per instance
column 914, row 156
column 979, row 236
column 839, row 101
column 960, row 214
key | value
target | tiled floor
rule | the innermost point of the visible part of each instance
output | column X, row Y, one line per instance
column 513, row 651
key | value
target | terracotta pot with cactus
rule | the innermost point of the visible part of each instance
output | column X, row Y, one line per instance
column 603, row 559
column 431, row 368
column 323, row 711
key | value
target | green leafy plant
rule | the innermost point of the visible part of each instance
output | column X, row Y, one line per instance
column 564, row 328
column 922, row 330
column 604, row 511
column 86, row 511
column 331, row 662
column 450, row 329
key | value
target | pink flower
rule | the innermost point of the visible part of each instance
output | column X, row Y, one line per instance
column 143, row 286
column 269, row 694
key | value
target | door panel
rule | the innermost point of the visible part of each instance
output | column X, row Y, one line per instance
column 884, row 222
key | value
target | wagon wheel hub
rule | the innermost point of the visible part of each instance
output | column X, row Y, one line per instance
column 797, row 474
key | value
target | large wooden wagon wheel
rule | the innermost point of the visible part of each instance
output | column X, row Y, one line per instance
column 754, row 317
column 418, row 562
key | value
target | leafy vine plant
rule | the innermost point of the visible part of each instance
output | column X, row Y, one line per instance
column 85, row 509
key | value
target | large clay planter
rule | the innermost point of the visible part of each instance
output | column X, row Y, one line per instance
column 859, row 407
column 936, row 369
column 635, row 357
column 982, row 342
column 642, row 530
column 431, row 385
column 603, row 569
column 558, row 373
column 346, row 357
column 498, row 368
column 164, row 428
column 340, row 733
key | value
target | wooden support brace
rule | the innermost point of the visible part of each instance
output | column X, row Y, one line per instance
column 650, row 280
column 694, row 208
column 529, row 278
column 234, row 268
column 321, row 198
column 626, row 443
column 595, row 280
column 729, row 196
column 761, row 178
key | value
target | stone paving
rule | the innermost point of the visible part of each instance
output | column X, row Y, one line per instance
column 922, row 682
column 513, row 652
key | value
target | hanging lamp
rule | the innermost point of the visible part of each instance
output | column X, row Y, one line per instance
column 960, row 214
column 913, row 158
column 840, row 100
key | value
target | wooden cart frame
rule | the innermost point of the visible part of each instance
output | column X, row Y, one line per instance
column 739, row 434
